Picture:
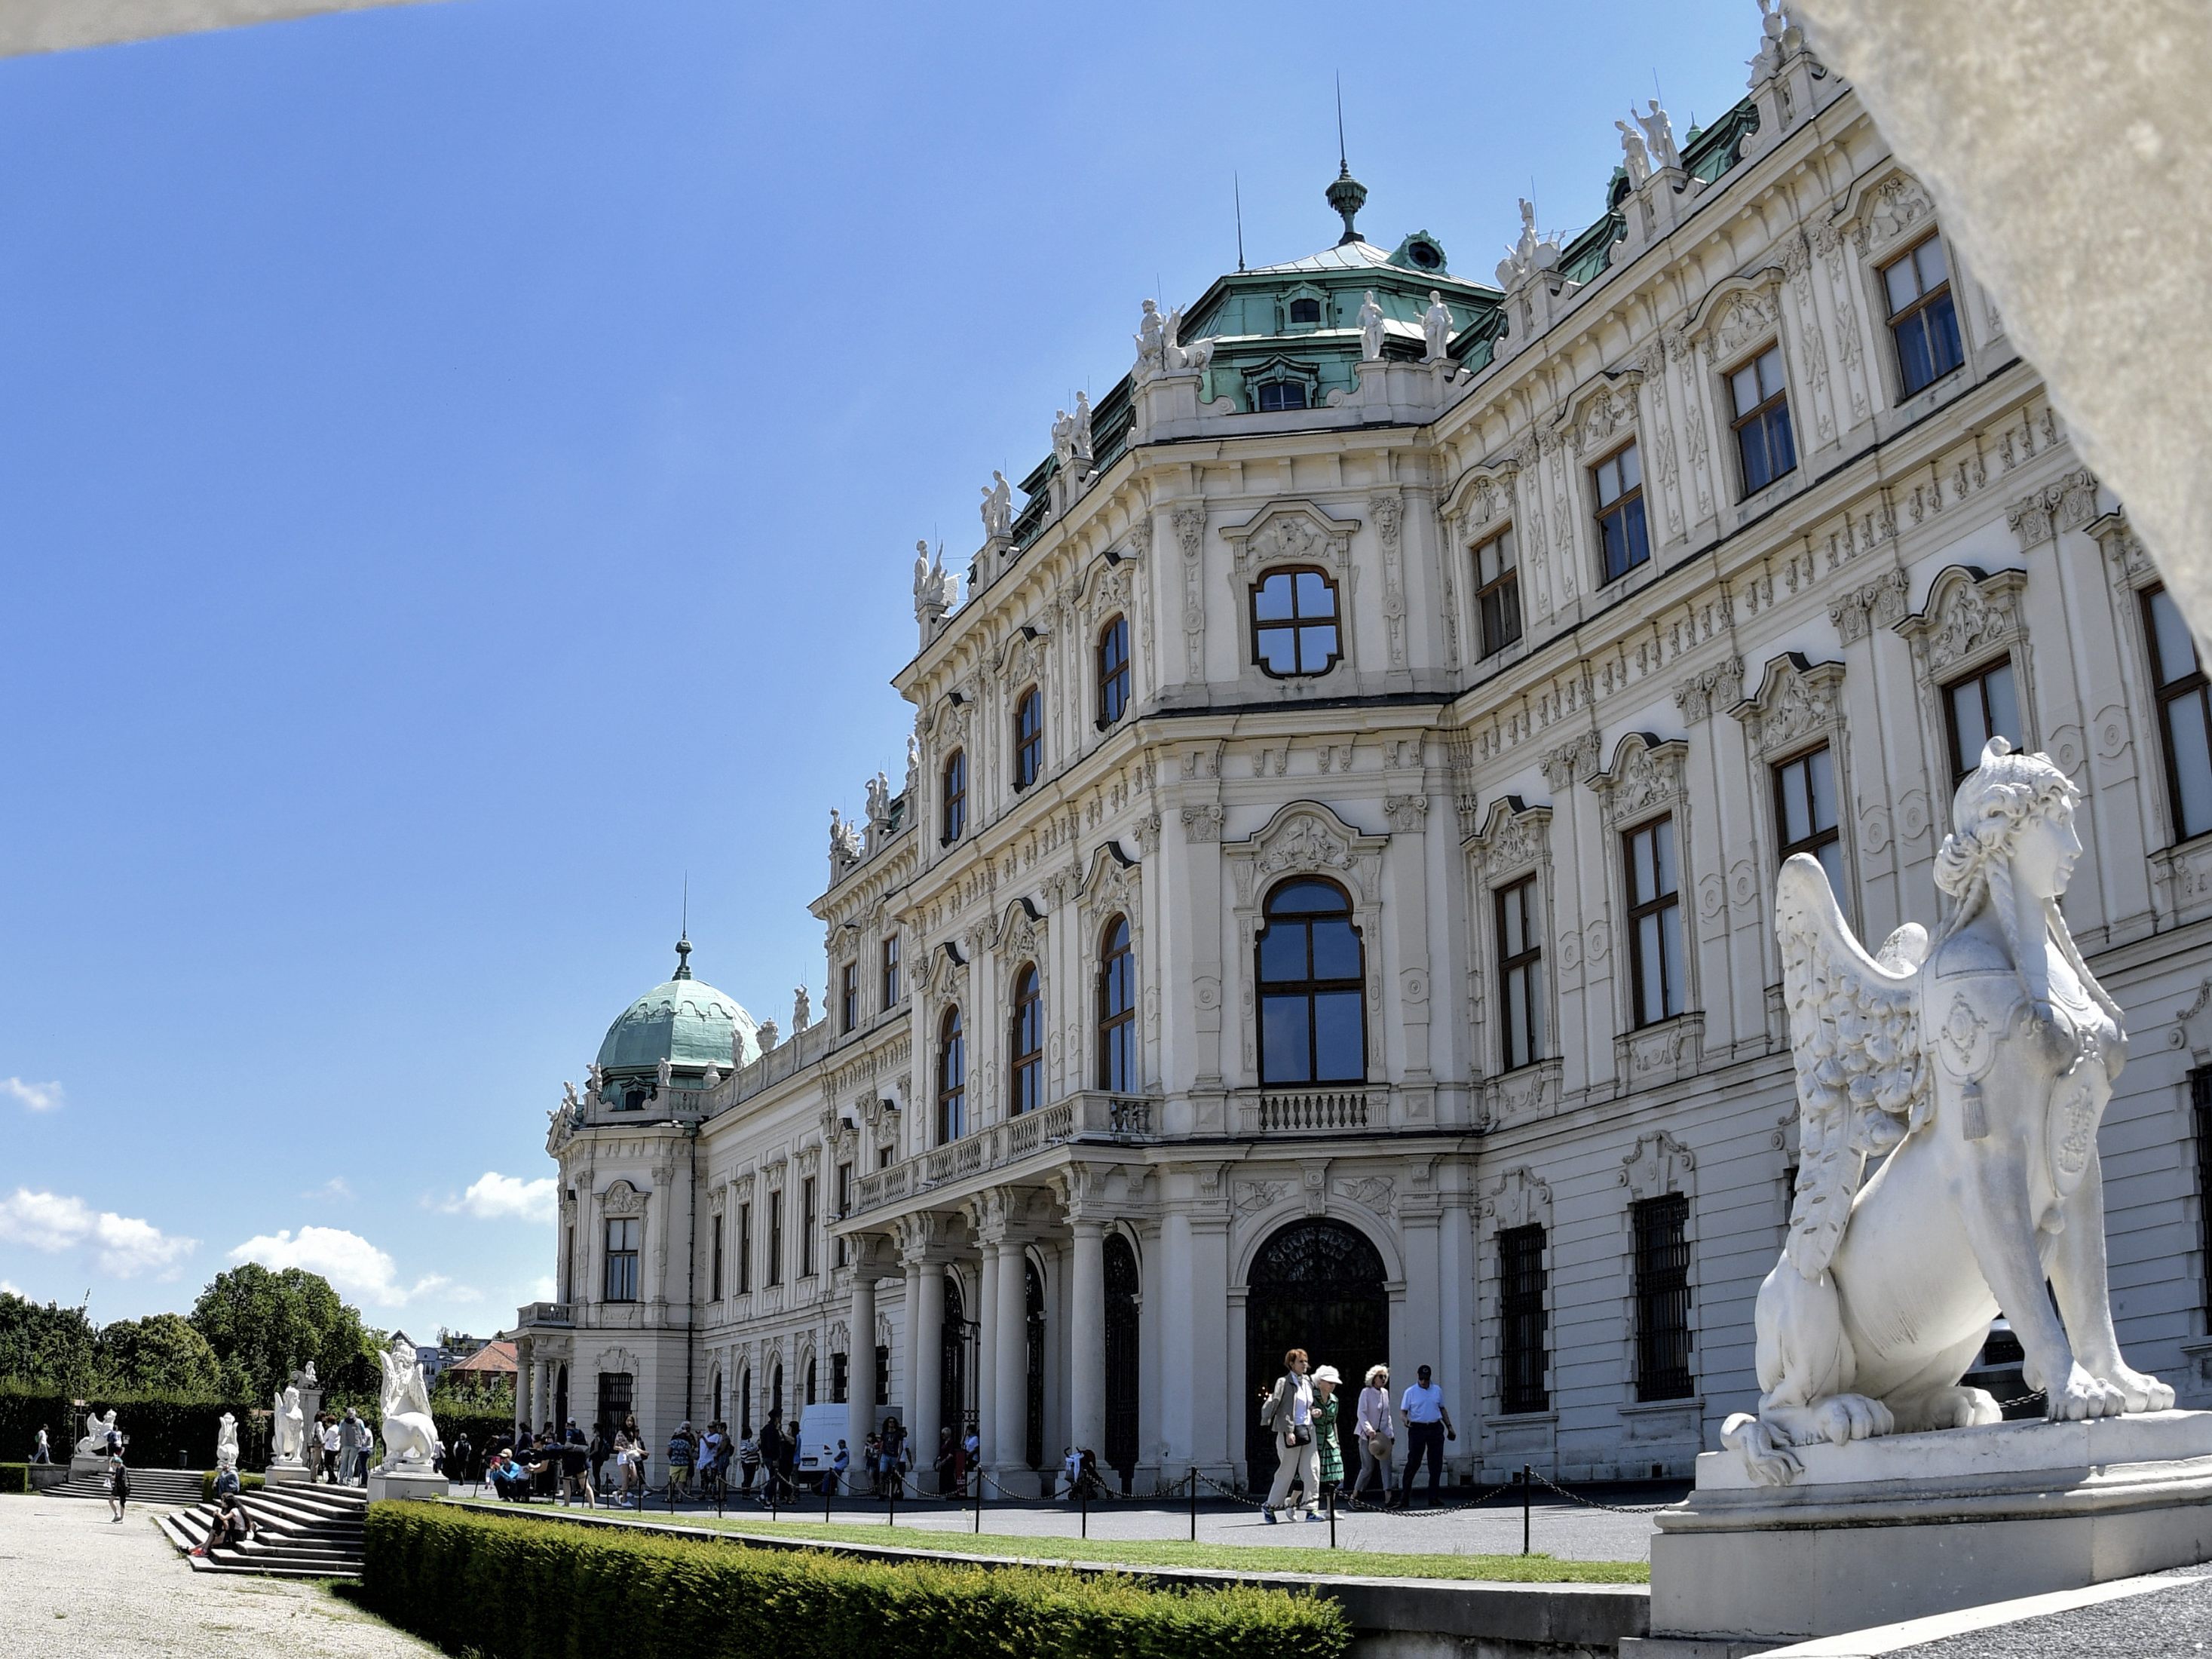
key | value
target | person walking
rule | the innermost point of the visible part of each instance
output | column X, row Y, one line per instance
column 679, row 1464
column 39, row 1452
column 119, row 1481
column 1376, row 1428
column 1428, row 1425
column 887, row 1448
column 602, row 1448
column 1328, row 1452
column 1286, row 1410
column 326, row 1445
column 457, row 1457
column 838, row 1466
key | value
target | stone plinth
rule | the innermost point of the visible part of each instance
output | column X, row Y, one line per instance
column 406, row 1483
column 1908, row 1525
column 289, row 1474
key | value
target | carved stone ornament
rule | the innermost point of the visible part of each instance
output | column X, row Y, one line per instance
column 1293, row 532
column 2125, row 555
column 1695, row 696
column 1307, row 838
column 2069, row 504
column 1570, row 762
column 1518, row 1198
column 1659, row 1166
column 1968, row 616
column 1739, row 314
column 1878, row 604
column 1603, row 414
column 1515, row 838
column 1797, row 703
column 1895, row 208
column 1646, row 777
column 1920, row 1054
column 622, row 1198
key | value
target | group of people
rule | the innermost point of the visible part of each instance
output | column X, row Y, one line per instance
column 1302, row 1413
column 347, row 1445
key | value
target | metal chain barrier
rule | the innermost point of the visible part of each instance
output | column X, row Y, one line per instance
column 1592, row 1503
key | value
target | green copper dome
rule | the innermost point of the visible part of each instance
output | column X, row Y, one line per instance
column 686, row 1022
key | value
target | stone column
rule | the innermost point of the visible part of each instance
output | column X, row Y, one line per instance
column 1086, row 1338
column 522, row 1365
column 925, row 1321
column 1012, row 1387
column 861, row 1364
column 987, row 1358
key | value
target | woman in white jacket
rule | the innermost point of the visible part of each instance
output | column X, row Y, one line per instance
column 1377, row 1426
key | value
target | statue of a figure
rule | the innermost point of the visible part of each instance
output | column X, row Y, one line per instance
column 1081, row 433
column 936, row 590
column 913, row 767
column 97, row 1431
column 226, row 1442
column 1371, row 330
column 664, row 1074
column 802, row 1008
column 1063, row 440
column 1531, row 254
column 1633, row 155
column 1436, row 327
column 307, row 1376
column 879, row 801
column 1981, row 1065
column 409, row 1436
column 1192, row 359
column 997, row 508
column 571, row 1103
column 1773, row 27
column 1152, row 341
column 1659, row 135
column 289, row 1424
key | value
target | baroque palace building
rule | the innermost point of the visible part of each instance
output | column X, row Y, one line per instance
column 1329, row 901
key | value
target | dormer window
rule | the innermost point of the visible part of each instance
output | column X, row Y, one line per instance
column 1271, row 396
column 1305, row 313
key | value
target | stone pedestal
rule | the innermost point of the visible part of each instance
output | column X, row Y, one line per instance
column 80, row 1467
column 289, row 1474
column 408, row 1483
column 1908, row 1525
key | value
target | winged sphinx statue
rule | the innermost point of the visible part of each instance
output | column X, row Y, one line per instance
column 410, row 1439
column 1976, row 1067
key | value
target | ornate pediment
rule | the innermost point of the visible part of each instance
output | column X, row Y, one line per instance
column 1601, row 413
column 1518, row 1198
column 2069, row 504
column 1968, row 616
column 1021, row 930
column 1111, row 884
column 1646, row 777
column 1738, row 313
column 1887, row 212
column 1797, row 703
column 1659, row 1166
column 1484, row 497
column 622, row 1198
column 1291, row 532
column 1307, row 838
column 1516, row 837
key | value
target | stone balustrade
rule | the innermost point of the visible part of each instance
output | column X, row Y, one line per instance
column 1091, row 1115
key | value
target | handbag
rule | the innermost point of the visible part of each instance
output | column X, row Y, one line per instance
column 1300, row 1435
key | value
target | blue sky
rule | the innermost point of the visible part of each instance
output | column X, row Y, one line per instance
column 459, row 468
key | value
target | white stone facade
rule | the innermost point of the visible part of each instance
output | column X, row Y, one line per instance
column 1919, row 539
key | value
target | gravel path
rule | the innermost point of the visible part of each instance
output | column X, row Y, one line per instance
column 75, row 1585
column 2168, row 1624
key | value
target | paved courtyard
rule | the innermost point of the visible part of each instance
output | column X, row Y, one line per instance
column 74, row 1585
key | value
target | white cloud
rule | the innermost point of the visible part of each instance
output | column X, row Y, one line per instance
column 355, row 1267
column 35, row 1097
column 496, row 1197
column 334, row 1187
column 126, row 1245
column 542, row 1290
column 8, row 1289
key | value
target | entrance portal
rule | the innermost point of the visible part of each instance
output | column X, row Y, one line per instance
column 1317, row 1285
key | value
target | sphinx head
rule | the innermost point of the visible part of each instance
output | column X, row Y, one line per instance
column 2014, row 809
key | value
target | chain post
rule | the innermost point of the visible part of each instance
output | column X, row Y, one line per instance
column 1331, row 1493
column 1528, row 1485
column 1086, row 1512
column 1194, row 1503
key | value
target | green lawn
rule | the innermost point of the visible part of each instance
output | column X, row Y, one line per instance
column 1179, row 1553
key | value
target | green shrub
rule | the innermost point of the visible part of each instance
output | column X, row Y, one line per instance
column 161, row 1427
column 514, row 1589
column 14, row 1477
column 245, row 1483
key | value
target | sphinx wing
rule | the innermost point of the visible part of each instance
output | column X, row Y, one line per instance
column 1854, row 1035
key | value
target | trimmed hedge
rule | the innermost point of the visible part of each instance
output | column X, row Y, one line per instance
column 245, row 1483
column 512, row 1589
column 14, row 1477
column 161, row 1426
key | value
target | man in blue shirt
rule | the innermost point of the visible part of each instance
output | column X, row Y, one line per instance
column 1428, row 1425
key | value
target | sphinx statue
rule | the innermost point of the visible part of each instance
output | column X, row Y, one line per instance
column 226, row 1442
column 288, row 1426
column 1977, row 1067
column 410, row 1439
column 97, row 1430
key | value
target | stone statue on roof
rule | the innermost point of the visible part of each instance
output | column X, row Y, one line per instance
column 1633, row 155
column 1659, row 135
column 1436, row 327
column 844, row 840
column 1152, row 341
column 879, row 803
column 802, row 1008
column 664, row 1075
column 1371, row 330
column 913, row 767
column 1082, row 420
column 1063, row 440
column 1192, row 359
column 997, row 508
column 936, row 590
column 1531, row 254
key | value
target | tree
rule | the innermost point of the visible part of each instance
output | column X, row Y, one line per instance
column 51, row 1344
column 162, row 1352
column 262, row 1326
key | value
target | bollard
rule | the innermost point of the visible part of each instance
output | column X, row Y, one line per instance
column 1331, row 1492
column 891, row 1508
column 1194, row 1503
column 1526, row 1483
column 1086, row 1512
column 829, row 1491
column 979, row 1502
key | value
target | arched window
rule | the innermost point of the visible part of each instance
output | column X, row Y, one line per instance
column 1029, row 738
column 951, row 1079
column 1117, row 1010
column 1113, row 671
column 1313, row 1018
column 810, row 1379
column 775, row 1390
column 745, row 1402
column 1026, row 1071
column 1294, row 629
column 956, row 796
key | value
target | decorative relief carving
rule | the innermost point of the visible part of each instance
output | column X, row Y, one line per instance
column 1189, row 523
column 1646, row 777
column 1968, row 615
column 1570, row 762
column 1406, row 813
column 1797, row 701
column 2129, row 559
column 623, row 1200
column 1386, row 511
column 1694, row 696
column 2069, row 504
column 1516, row 838
column 1518, row 1198
column 1879, row 604
column 1377, row 1193
column 1306, row 837
column 1254, row 1196
column 1201, row 824
column 1659, row 1166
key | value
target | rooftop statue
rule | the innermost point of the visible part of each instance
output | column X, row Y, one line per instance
column 410, row 1438
column 1531, row 254
column 913, row 768
column 769, row 1036
column 1659, row 135
column 1152, row 341
column 1183, row 359
column 664, row 1074
column 1082, row 426
column 1436, row 327
column 997, row 508
column 844, row 840
column 802, row 1008
column 1371, row 330
column 1634, row 156
column 879, row 802
column 1063, row 440
column 936, row 590
column 1981, row 1066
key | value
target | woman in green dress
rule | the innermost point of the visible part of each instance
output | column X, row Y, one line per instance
column 1325, row 1402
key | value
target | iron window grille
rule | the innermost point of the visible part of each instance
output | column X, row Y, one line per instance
column 1662, row 1298
column 1521, row 1319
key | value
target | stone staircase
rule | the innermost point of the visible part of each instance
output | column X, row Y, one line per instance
column 147, row 1486
column 300, row 1532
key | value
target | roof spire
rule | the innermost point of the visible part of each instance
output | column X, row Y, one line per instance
column 1347, row 195
column 684, row 935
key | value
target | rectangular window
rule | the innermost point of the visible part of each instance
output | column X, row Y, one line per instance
column 1805, row 811
column 569, row 1264
column 622, row 1235
column 745, row 1249
column 891, row 972
column 848, row 996
column 1520, row 975
column 1923, row 321
column 617, row 1398
column 840, row 1379
column 1622, row 543
column 809, row 1221
column 1662, row 1298
column 2185, row 714
column 774, row 1238
column 714, row 1262
column 885, row 1157
column 1980, row 706
column 1657, row 974
column 1763, row 440
column 844, row 1204
column 1496, row 593
column 1521, row 1319
column 955, row 812
column 2200, row 1106
column 1294, row 624
column 1277, row 395
column 882, row 1375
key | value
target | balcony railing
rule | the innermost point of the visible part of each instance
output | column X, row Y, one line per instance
column 1310, row 1111
column 1089, row 1116
column 544, row 1313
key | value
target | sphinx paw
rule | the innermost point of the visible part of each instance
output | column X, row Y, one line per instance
column 2139, row 1392
column 1844, row 1417
column 2084, row 1397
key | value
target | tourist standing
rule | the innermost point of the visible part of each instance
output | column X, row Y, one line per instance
column 351, row 1440
column 458, row 1457
column 602, row 1448
column 887, row 1465
column 838, row 1465
column 748, row 1463
column 1376, row 1431
column 327, row 1438
column 1286, row 1409
column 1328, row 1452
column 679, row 1463
column 1428, row 1425
column 118, row 1480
